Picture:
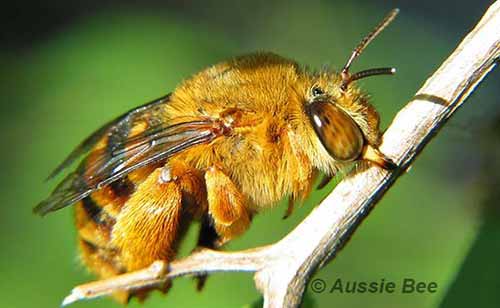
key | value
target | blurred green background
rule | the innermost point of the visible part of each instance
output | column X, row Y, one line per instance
column 66, row 68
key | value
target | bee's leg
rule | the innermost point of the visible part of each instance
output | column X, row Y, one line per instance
column 207, row 238
column 290, row 207
column 226, row 206
column 149, row 226
column 145, row 231
column 154, row 219
column 372, row 154
column 302, row 190
column 325, row 180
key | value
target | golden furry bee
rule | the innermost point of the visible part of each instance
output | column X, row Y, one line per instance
column 230, row 141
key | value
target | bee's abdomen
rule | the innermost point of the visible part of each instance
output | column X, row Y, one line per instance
column 96, row 214
column 95, row 224
column 95, row 218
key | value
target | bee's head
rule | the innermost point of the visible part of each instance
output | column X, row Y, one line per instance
column 334, row 113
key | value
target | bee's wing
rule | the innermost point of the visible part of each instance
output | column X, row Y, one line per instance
column 148, row 112
column 123, row 155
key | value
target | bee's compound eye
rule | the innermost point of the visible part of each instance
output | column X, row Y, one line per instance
column 338, row 132
column 317, row 91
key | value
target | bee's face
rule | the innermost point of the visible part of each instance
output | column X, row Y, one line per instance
column 327, row 107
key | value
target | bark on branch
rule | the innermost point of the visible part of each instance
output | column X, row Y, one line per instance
column 283, row 269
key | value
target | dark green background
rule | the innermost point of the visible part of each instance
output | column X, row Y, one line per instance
column 66, row 68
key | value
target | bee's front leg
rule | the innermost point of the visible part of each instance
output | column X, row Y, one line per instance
column 226, row 205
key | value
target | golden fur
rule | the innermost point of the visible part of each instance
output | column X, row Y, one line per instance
column 270, row 152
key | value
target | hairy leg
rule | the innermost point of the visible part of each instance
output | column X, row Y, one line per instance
column 226, row 205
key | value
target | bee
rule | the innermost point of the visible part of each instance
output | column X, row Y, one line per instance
column 231, row 141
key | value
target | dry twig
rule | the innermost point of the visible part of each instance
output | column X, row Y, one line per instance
column 283, row 269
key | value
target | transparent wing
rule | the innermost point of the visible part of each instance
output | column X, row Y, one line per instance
column 117, row 129
column 124, row 154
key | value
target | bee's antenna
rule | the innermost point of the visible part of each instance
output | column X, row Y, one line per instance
column 372, row 72
column 346, row 77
